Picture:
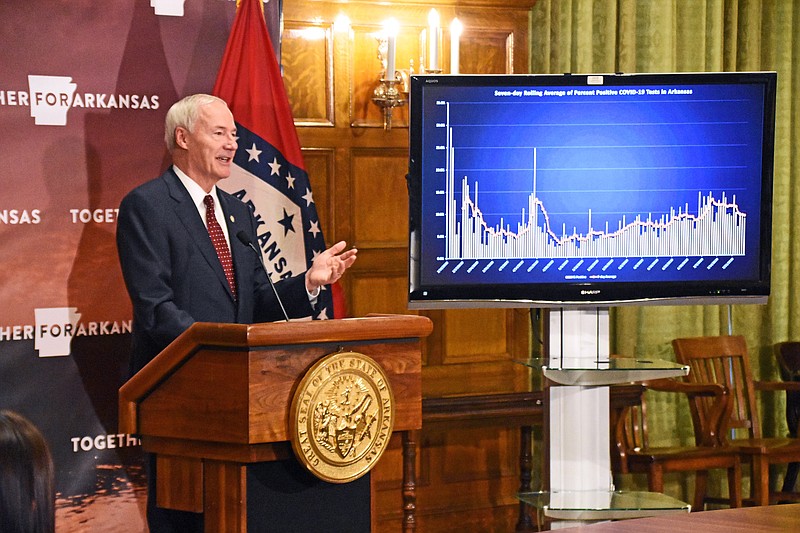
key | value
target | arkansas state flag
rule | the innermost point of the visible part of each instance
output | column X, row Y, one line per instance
column 268, row 172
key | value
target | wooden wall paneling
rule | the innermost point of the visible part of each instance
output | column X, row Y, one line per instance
column 487, row 52
column 307, row 60
column 475, row 352
column 378, row 293
column 433, row 349
column 320, row 165
column 380, row 207
column 494, row 41
column 475, row 335
column 380, row 222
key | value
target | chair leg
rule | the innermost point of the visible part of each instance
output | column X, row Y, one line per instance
column 735, row 484
column 700, row 487
column 760, row 480
column 655, row 479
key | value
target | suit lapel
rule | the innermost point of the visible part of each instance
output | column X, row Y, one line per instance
column 186, row 211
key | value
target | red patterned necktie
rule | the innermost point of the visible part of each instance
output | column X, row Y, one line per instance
column 220, row 244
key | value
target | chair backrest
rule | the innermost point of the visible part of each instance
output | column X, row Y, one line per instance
column 788, row 356
column 628, row 432
column 722, row 360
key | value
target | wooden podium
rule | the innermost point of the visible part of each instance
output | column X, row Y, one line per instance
column 218, row 399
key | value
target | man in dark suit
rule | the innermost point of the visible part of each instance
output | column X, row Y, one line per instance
column 181, row 258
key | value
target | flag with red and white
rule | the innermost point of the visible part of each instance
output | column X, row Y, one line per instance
column 268, row 172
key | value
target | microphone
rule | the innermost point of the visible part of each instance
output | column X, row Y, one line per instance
column 244, row 239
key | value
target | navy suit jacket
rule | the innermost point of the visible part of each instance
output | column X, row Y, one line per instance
column 173, row 274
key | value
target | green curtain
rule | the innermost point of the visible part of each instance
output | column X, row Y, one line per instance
column 583, row 36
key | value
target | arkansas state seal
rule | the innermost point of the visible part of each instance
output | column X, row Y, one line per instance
column 342, row 416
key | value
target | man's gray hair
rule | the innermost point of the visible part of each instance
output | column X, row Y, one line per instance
column 183, row 114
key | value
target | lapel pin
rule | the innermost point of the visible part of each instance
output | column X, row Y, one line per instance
column 233, row 219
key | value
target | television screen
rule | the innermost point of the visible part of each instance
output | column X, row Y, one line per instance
column 590, row 190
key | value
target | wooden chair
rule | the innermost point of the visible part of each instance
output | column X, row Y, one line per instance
column 788, row 356
column 632, row 453
column 724, row 360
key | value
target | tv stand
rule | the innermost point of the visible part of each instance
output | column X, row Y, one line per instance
column 579, row 363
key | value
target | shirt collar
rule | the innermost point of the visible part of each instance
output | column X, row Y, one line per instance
column 195, row 191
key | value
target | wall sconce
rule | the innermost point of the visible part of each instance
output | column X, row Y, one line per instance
column 393, row 82
column 387, row 95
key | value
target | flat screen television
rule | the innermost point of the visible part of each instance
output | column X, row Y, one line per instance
column 590, row 190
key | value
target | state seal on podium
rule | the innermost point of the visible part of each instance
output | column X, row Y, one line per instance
column 341, row 417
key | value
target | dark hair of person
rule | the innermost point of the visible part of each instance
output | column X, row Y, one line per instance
column 27, row 487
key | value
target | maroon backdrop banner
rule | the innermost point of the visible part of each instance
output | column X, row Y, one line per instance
column 84, row 87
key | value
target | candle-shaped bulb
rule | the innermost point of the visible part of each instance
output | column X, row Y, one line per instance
column 433, row 36
column 392, row 28
column 455, row 37
column 341, row 23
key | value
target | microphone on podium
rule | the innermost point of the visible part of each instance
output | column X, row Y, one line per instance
column 244, row 239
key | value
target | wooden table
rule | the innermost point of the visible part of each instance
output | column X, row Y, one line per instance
column 767, row 519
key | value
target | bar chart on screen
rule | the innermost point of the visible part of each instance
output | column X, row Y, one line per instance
column 595, row 201
column 584, row 190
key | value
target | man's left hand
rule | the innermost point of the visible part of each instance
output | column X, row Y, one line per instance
column 329, row 266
